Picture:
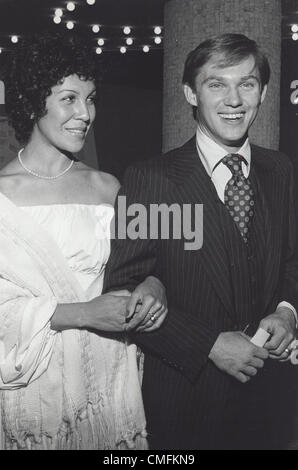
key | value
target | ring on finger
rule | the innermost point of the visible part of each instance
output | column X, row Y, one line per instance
column 153, row 317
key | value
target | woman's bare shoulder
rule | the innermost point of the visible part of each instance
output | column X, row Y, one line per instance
column 105, row 185
column 11, row 168
column 110, row 181
column 9, row 176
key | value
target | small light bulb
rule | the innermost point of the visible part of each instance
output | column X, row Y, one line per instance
column 90, row 2
column 98, row 50
column 100, row 42
column 295, row 36
column 294, row 28
column 126, row 30
column 0, row 50
column 95, row 28
column 57, row 19
column 157, row 30
column 146, row 48
column 14, row 39
column 58, row 12
column 157, row 40
column 129, row 41
column 70, row 25
column 122, row 50
column 70, row 6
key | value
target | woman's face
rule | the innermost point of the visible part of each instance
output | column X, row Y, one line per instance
column 70, row 113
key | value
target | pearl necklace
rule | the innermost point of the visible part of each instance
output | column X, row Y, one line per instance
column 41, row 176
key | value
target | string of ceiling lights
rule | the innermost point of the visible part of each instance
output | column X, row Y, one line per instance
column 109, row 38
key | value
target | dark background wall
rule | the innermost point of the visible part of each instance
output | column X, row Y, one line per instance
column 127, row 126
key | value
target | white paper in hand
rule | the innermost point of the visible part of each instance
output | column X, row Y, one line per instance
column 260, row 338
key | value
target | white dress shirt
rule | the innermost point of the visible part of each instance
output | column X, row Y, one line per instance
column 210, row 154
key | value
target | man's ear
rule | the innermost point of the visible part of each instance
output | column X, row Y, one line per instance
column 190, row 95
column 263, row 94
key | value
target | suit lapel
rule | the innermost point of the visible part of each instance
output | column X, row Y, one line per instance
column 194, row 186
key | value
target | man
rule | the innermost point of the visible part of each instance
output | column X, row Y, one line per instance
column 198, row 364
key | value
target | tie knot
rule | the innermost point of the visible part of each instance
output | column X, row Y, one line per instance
column 233, row 162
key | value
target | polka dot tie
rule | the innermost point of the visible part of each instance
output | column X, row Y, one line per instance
column 239, row 195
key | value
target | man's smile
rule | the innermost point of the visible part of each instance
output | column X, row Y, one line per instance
column 234, row 117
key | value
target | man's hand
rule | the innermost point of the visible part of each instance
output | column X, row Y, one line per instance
column 281, row 324
column 234, row 354
column 147, row 306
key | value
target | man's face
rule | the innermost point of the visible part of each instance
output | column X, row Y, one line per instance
column 228, row 99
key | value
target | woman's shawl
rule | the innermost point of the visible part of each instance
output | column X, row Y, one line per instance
column 57, row 389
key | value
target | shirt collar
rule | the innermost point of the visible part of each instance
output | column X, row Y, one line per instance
column 211, row 153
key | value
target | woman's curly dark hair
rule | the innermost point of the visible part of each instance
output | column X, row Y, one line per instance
column 39, row 63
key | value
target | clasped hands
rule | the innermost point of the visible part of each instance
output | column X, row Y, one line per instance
column 234, row 354
column 146, row 306
column 143, row 310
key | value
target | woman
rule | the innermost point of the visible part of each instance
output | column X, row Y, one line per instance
column 68, row 377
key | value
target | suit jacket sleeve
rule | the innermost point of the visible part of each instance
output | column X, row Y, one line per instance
column 181, row 342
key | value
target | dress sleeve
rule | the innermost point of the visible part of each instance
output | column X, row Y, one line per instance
column 26, row 339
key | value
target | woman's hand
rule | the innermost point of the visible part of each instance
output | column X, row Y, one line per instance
column 107, row 312
column 147, row 306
